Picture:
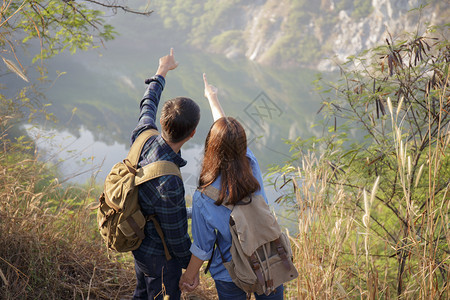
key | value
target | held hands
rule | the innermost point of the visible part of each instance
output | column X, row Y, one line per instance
column 188, row 284
column 210, row 90
column 166, row 63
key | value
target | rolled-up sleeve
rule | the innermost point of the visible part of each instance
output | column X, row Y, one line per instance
column 203, row 233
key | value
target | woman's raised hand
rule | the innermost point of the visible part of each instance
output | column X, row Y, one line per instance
column 211, row 95
column 210, row 90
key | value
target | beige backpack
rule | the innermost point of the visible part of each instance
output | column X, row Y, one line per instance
column 120, row 220
column 261, row 254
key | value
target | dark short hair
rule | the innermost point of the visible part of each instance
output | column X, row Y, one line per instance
column 179, row 117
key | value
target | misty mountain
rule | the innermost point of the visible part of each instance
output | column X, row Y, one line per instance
column 294, row 32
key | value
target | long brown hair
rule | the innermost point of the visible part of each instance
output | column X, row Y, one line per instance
column 225, row 155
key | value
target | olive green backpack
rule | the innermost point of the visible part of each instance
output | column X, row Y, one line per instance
column 120, row 220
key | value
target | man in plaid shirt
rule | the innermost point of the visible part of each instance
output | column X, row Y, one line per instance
column 163, row 196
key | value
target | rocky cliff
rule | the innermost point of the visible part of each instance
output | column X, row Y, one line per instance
column 296, row 32
column 387, row 17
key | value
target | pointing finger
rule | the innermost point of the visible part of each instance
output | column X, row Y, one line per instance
column 171, row 51
column 204, row 79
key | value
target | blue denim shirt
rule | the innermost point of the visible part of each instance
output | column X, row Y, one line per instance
column 211, row 222
column 163, row 196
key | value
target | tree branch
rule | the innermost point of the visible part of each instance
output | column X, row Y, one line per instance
column 124, row 8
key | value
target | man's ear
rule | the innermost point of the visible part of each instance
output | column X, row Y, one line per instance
column 192, row 133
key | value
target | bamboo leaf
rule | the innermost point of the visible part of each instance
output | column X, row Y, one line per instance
column 391, row 71
column 419, row 175
column 390, row 105
column 349, row 152
column 378, row 109
column 383, row 110
column 320, row 109
column 374, row 189
column 12, row 66
column 399, row 106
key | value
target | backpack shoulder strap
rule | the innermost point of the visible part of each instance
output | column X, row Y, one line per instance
column 216, row 244
column 138, row 144
column 211, row 192
column 151, row 171
column 156, row 169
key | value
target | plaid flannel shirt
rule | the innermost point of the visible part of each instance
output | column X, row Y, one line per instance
column 163, row 196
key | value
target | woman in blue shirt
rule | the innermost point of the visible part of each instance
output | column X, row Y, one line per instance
column 231, row 167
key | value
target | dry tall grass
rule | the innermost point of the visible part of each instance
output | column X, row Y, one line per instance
column 339, row 257
column 49, row 248
column 355, row 242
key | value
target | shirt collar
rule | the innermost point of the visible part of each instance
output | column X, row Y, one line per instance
column 171, row 155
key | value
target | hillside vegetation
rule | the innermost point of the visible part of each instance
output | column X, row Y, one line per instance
column 291, row 33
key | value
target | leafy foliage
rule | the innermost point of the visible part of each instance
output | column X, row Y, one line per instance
column 56, row 25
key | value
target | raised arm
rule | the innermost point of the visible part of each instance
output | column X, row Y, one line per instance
column 150, row 100
column 211, row 95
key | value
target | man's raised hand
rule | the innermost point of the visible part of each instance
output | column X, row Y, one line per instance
column 166, row 63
